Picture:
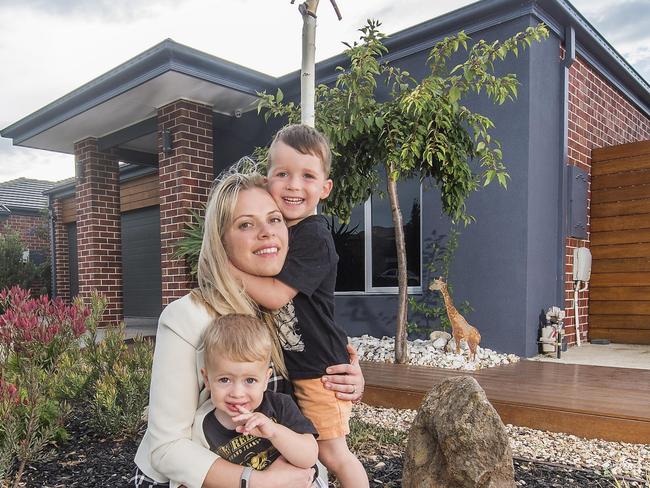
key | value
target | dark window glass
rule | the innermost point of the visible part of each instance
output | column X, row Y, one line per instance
column 349, row 242
column 384, row 254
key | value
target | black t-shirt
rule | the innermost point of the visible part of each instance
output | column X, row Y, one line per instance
column 310, row 338
column 249, row 450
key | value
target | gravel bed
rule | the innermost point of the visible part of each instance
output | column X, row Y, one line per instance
column 593, row 455
column 437, row 352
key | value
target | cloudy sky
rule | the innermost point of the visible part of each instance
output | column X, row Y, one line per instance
column 51, row 47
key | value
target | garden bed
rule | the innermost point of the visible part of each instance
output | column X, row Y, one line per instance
column 89, row 460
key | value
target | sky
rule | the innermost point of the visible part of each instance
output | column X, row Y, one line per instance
column 51, row 47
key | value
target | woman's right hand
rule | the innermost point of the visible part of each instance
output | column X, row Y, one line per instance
column 282, row 474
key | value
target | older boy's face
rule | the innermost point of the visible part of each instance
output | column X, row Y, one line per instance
column 234, row 385
column 296, row 182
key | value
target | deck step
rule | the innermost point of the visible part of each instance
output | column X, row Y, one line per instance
column 588, row 401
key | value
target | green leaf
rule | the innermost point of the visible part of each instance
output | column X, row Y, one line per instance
column 454, row 94
column 279, row 96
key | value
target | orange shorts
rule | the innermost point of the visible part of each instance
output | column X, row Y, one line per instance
column 330, row 416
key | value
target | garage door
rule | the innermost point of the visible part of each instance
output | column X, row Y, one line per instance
column 619, row 300
column 142, row 289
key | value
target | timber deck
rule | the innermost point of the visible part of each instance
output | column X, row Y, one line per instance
column 587, row 401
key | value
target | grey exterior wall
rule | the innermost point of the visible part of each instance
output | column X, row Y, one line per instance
column 505, row 262
column 505, row 265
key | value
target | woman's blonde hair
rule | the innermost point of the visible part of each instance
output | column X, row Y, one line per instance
column 217, row 288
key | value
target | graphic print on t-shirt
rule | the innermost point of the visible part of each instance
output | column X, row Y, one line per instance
column 248, row 450
column 288, row 329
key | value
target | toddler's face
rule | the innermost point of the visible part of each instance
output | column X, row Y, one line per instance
column 234, row 385
column 296, row 182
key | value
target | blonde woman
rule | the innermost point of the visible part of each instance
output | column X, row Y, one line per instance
column 243, row 220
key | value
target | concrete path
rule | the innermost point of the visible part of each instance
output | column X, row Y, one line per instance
column 617, row 355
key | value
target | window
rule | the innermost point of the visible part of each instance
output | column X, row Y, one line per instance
column 366, row 246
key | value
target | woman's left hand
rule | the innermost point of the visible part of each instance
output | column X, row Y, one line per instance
column 346, row 379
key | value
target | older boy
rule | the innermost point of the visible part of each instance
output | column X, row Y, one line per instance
column 303, row 293
column 242, row 422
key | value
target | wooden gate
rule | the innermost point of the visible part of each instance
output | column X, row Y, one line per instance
column 619, row 300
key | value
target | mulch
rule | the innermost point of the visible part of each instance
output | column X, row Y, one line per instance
column 88, row 460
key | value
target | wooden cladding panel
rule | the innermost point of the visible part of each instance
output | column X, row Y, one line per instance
column 620, row 237
column 140, row 193
column 619, row 321
column 636, row 192
column 69, row 210
column 631, row 265
column 620, row 293
column 622, row 336
column 640, row 221
column 620, row 151
column 619, row 298
column 619, row 279
column 636, row 250
column 616, row 180
column 631, row 163
column 614, row 209
column 622, row 307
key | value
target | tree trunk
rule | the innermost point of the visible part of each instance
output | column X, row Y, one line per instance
column 307, row 72
column 401, row 351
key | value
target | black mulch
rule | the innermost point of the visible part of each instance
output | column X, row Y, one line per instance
column 88, row 460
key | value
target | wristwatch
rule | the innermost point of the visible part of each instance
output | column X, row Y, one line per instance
column 245, row 477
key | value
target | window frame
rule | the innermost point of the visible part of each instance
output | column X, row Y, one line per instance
column 370, row 290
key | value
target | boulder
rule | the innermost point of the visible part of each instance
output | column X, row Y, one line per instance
column 440, row 343
column 458, row 441
column 439, row 334
column 451, row 346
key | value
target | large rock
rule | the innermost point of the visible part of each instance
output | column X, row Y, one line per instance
column 458, row 441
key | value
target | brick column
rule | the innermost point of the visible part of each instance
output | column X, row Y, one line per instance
column 186, row 173
column 61, row 246
column 99, row 227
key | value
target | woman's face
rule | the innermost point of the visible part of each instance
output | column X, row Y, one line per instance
column 257, row 240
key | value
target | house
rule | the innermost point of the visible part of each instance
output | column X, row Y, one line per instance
column 177, row 116
column 23, row 209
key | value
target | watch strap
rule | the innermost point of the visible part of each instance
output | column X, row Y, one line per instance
column 245, row 477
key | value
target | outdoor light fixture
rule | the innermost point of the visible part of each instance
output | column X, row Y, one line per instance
column 79, row 169
column 167, row 142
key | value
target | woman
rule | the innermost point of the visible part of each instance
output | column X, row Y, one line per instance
column 240, row 214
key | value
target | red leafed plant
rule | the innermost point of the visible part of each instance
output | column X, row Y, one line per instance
column 35, row 336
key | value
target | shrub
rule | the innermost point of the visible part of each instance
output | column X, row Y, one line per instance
column 432, row 305
column 13, row 270
column 36, row 336
column 113, row 376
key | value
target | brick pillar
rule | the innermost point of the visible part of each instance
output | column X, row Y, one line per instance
column 61, row 246
column 186, row 173
column 99, row 227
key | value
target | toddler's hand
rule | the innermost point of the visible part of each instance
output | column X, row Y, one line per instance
column 255, row 423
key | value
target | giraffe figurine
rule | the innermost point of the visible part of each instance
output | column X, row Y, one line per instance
column 459, row 326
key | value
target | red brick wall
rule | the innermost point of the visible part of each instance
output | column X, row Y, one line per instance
column 33, row 230
column 185, row 175
column 99, row 227
column 61, row 245
column 599, row 116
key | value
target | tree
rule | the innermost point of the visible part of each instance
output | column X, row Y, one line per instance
column 307, row 72
column 421, row 130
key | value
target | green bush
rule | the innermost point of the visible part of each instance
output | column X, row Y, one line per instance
column 13, row 271
column 112, row 377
